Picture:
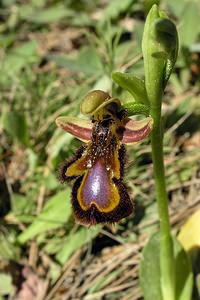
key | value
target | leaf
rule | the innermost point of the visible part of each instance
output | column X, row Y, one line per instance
column 46, row 15
column 198, row 284
column 52, row 14
column 55, row 214
column 114, row 8
column 8, row 250
column 104, row 83
column 21, row 204
column 189, row 235
column 19, row 58
column 7, row 39
column 15, row 124
column 57, row 142
column 76, row 241
column 134, row 85
column 6, row 287
column 54, row 271
column 176, row 8
column 87, row 62
column 150, row 271
column 189, row 24
column 32, row 160
column 184, row 276
column 51, row 182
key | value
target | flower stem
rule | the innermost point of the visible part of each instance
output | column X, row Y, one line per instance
column 160, row 53
column 167, row 265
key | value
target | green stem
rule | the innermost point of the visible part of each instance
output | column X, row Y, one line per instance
column 166, row 245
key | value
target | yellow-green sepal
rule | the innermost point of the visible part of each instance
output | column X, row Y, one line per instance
column 97, row 101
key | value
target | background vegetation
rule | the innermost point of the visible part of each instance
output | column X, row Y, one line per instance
column 52, row 53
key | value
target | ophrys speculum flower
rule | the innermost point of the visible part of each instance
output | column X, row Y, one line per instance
column 99, row 194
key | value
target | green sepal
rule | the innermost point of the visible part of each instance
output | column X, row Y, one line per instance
column 135, row 108
column 133, row 85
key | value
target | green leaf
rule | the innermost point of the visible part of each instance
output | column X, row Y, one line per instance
column 189, row 24
column 76, row 241
column 114, row 8
column 54, row 272
column 8, row 250
column 32, row 160
column 176, row 8
column 51, row 182
column 55, row 214
column 198, row 284
column 150, row 271
column 184, row 276
column 15, row 124
column 58, row 141
column 7, row 40
column 87, row 61
column 134, row 85
column 21, row 204
column 44, row 16
column 104, row 83
column 18, row 58
column 6, row 287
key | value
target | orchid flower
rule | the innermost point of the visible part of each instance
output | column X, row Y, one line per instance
column 99, row 194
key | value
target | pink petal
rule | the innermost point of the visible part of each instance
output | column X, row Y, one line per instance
column 136, row 131
column 81, row 129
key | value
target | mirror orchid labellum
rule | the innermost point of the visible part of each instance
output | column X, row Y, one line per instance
column 99, row 194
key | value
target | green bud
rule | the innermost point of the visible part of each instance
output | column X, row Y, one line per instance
column 160, row 48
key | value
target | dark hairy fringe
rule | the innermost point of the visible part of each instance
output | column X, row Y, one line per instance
column 122, row 160
column 65, row 165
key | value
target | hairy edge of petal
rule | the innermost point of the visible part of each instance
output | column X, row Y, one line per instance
column 136, row 131
column 81, row 129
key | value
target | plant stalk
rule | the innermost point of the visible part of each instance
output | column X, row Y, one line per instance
column 167, row 265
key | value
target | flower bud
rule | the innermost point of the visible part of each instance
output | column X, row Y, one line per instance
column 160, row 48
